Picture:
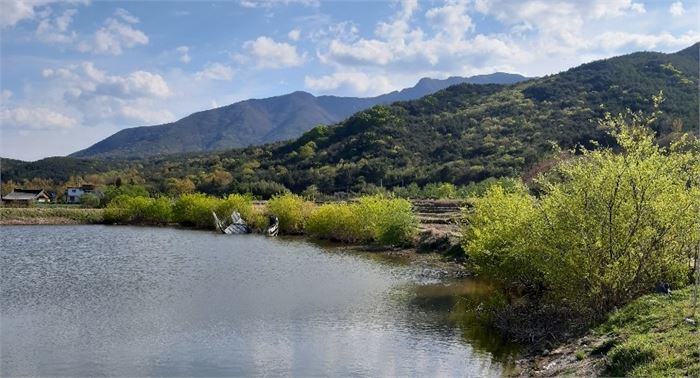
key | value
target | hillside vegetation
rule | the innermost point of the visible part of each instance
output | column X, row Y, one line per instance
column 260, row 121
column 465, row 133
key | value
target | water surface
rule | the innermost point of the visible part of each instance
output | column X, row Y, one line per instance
column 132, row 301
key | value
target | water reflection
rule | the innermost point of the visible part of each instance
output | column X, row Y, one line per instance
column 129, row 301
column 457, row 302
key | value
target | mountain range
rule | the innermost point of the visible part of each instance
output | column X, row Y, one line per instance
column 261, row 121
column 460, row 134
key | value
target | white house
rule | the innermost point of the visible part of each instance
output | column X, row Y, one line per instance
column 73, row 193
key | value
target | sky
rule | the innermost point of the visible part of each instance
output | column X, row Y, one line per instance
column 74, row 72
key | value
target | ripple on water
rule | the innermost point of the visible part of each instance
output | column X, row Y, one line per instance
column 99, row 300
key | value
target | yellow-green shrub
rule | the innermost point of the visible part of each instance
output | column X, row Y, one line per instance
column 498, row 237
column 335, row 222
column 141, row 210
column 195, row 210
column 607, row 227
column 257, row 221
column 292, row 211
column 242, row 203
column 386, row 221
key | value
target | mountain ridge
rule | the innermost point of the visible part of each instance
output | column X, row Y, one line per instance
column 260, row 121
column 464, row 133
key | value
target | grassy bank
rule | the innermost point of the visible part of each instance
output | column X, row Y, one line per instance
column 44, row 215
column 376, row 219
column 368, row 220
column 649, row 337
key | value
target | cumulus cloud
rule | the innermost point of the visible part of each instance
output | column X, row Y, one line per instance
column 272, row 3
column 5, row 95
column 451, row 19
column 126, row 16
column 345, row 31
column 677, row 9
column 100, row 97
column 14, row 11
column 35, row 118
column 534, row 36
column 270, row 54
column 354, row 82
column 55, row 29
column 88, row 80
column 215, row 71
column 616, row 40
column 559, row 25
column 184, row 53
column 115, row 35
column 294, row 34
column 399, row 45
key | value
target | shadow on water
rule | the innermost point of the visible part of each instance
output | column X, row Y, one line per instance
column 455, row 303
column 459, row 302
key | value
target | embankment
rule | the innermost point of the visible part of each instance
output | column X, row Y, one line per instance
column 652, row 336
column 57, row 215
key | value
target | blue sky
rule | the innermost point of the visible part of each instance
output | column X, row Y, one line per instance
column 75, row 72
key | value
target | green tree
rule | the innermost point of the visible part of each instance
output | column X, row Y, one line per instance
column 89, row 200
column 607, row 227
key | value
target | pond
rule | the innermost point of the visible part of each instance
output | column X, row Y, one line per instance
column 139, row 301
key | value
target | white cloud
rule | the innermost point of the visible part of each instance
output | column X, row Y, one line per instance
column 398, row 46
column 55, row 29
column 87, row 80
column 134, row 85
column 616, row 40
column 272, row 3
column 398, row 29
column 126, row 16
column 560, row 27
column 536, row 37
column 184, row 52
column 35, row 118
column 14, row 11
column 345, row 31
column 270, row 54
column 677, row 9
column 145, row 114
column 294, row 34
column 103, row 98
column 354, row 82
column 5, row 95
column 614, row 8
column 360, row 52
column 451, row 19
column 215, row 71
column 115, row 35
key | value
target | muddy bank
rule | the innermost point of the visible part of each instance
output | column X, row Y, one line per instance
column 582, row 357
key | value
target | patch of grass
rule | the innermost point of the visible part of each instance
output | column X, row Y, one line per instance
column 653, row 338
column 580, row 355
column 46, row 215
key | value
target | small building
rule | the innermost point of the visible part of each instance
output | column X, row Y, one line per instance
column 73, row 193
column 25, row 197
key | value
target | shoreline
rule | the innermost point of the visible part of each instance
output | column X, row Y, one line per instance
column 50, row 216
column 430, row 250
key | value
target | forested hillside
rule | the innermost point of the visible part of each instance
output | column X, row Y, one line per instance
column 260, row 121
column 461, row 134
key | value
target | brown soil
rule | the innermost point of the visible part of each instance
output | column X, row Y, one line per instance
column 563, row 360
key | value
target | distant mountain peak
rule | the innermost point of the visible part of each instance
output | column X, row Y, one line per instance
column 260, row 121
